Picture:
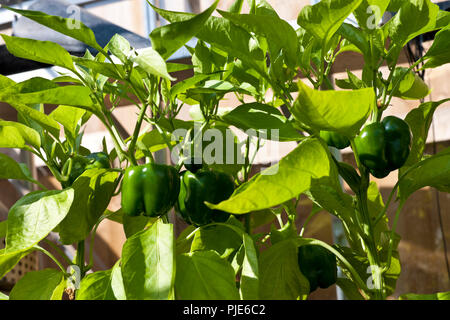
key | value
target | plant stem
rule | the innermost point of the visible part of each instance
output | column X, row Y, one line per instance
column 137, row 128
column 79, row 259
column 60, row 252
column 51, row 257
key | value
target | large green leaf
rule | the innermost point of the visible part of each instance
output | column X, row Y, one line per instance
column 280, row 275
column 262, row 118
column 324, row 18
column 17, row 135
column 433, row 171
column 34, row 216
column 68, row 26
column 439, row 53
column 281, row 182
column 47, row 284
column 92, row 193
column 400, row 28
column 203, row 275
column 76, row 96
column 419, row 121
column 169, row 38
column 148, row 264
column 42, row 51
column 341, row 111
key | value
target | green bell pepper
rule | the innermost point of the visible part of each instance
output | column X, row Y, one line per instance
column 318, row 265
column 384, row 147
column 398, row 141
column 149, row 189
column 370, row 146
column 196, row 188
column 99, row 160
column 335, row 139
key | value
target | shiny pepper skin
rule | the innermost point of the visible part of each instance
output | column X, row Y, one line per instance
column 150, row 189
column 99, row 160
column 204, row 185
column 384, row 147
column 335, row 139
column 318, row 265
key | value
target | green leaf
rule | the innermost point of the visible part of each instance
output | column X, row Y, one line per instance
column 182, row 86
column 356, row 36
column 280, row 275
column 117, row 282
column 31, row 115
column 119, row 47
column 148, row 266
column 92, row 193
column 96, row 286
column 69, row 117
column 432, row 296
column 203, row 275
column 3, row 296
column 411, row 87
column 249, row 288
column 370, row 12
column 221, row 239
column 439, row 53
column 419, row 121
column 34, row 216
column 262, row 118
column 169, row 38
column 349, row 288
column 279, row 34
column 9, row 260
column 76, row 96
column 47, row 284
column 42, row 51
column 221, row 33
column 17, row 135
column 98, row 67
column 433, row 171
column 324, row 18
column 10, row 169
column 132, row 225
column 68, row 26
column 400, row 28
column 150, row 60
column 281, row 182
column 341, row 111
column 5, row 82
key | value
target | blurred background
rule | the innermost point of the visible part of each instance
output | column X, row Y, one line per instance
column 424, row 224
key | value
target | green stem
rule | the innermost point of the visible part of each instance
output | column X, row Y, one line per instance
column 391, row 237
column 58, row 249
column 79, row 259
column 310, row 216
column 137, row 129
column 51, row 257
